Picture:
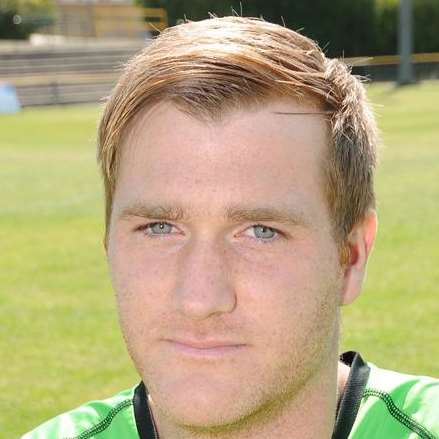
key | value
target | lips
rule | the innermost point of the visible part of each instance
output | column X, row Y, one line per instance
column 205, row 348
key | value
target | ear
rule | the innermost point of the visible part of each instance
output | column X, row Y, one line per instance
column 359, row 245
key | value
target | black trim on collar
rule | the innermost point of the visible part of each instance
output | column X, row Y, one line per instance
column 349, row 403
column 347, row 408
column 144, row 424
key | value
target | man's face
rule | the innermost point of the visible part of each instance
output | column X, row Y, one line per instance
column 221, row 254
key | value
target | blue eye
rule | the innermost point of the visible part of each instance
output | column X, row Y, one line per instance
column 263, row 232
column 159, row 228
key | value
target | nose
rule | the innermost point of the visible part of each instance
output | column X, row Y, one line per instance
column 203, row 286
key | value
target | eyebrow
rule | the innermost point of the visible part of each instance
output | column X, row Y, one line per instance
column 265, row 214
column 169, row 213
column 233, row 213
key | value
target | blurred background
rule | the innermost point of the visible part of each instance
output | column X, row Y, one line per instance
column 66, row 51
column 60, row 343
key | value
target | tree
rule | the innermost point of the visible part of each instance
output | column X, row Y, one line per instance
column 18, row 19
column 341, row 26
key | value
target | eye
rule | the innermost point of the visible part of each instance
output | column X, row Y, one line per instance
column 157, row 228
column 264, row 233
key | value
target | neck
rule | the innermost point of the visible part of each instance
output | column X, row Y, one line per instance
column 309, row 414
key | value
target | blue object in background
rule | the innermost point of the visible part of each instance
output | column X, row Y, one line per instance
column 8, row 99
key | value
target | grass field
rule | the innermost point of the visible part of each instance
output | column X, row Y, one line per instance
column 60, row 342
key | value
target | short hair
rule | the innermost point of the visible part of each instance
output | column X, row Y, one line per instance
column 210, row 67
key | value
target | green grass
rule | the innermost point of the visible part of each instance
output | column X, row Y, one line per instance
column 394, row 322
column 59, row 335
column 60, row 343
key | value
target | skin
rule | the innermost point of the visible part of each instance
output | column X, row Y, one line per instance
column 276, row 291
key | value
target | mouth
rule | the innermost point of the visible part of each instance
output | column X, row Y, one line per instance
column 210, row 349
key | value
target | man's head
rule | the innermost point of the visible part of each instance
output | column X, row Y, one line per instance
column 210, row 67
column 236, row 159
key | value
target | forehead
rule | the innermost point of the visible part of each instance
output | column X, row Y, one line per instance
column 271, row 154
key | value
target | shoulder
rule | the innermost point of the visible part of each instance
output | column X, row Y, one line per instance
column 111, row 418
column 399, row 405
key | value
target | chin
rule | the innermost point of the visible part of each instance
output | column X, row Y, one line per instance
column 198, row 403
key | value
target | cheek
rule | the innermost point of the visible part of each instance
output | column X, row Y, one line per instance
column 135, row 272
column 291, row 301
column 284, row 280
column 142, row 284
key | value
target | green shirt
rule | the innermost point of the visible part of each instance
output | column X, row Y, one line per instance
column 376, row 404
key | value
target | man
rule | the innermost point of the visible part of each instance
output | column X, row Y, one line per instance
column 238, row 165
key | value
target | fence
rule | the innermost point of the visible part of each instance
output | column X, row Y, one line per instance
column 76, row 73
column 385, row 68
column 105, row 20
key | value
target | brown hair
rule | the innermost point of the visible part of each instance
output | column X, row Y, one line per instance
column 209, row 67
